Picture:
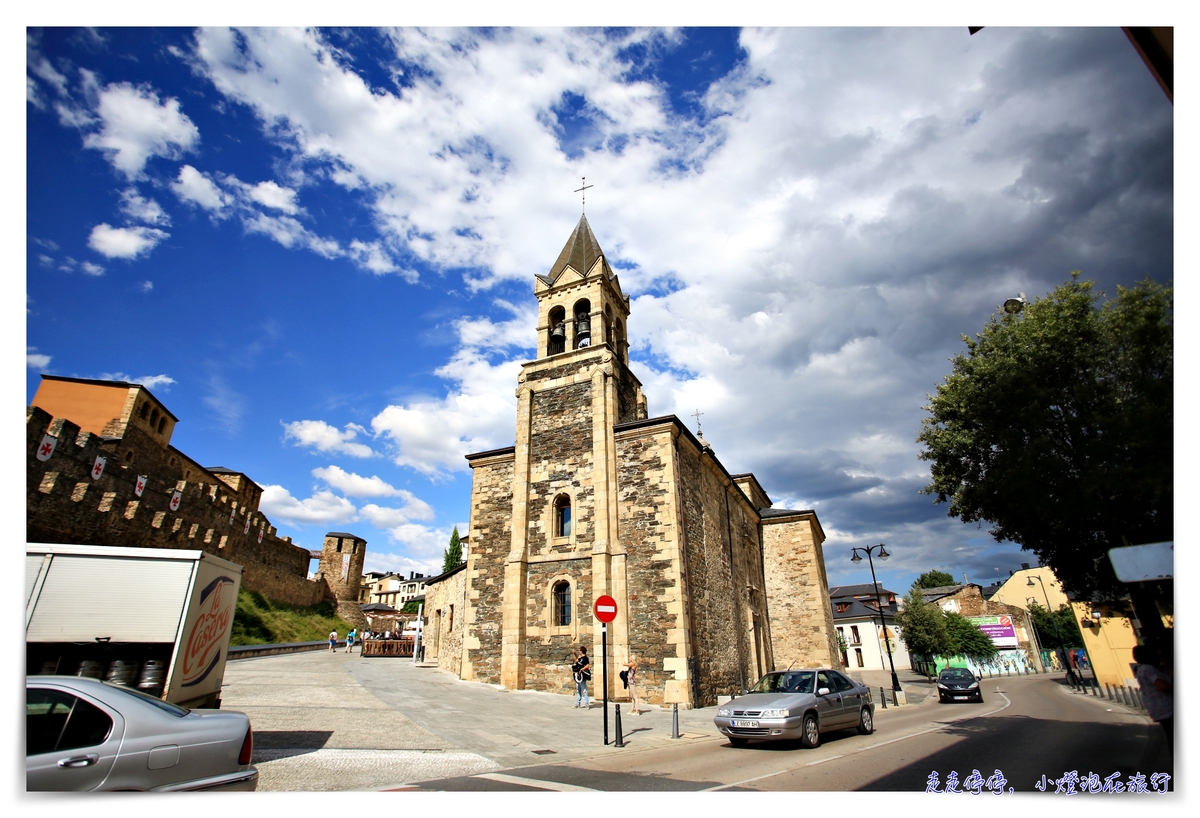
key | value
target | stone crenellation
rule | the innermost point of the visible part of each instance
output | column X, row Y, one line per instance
column 216, row 512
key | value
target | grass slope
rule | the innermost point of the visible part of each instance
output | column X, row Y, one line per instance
column 261, row 621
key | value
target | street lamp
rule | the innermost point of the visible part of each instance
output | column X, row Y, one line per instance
column 1013, row 306
column 883, row 555
column 1051, row 611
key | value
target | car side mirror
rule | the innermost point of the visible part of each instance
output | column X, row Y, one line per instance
column 823, row 691
column 979, row 677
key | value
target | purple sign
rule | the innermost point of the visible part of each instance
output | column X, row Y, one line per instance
column 999, row 629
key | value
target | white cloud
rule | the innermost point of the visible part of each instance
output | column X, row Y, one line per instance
column 197, row 188
column 147, row 286
column 371, row 256
column 91, row 269
column 139, row 209
column 162, row 382
column 124, row 242
column 322, row 507
column 136, row 125
column 36, row 360
column 224, row 401
column 325, row 438
column 275, row 197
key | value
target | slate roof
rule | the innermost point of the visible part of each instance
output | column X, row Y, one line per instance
column 934, row 594
column 580, row 252
column 858, row 609
column 378, row 607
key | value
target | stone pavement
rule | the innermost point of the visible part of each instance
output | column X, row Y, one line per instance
column 336, row 721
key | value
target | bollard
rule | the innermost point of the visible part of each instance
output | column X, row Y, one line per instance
column 620, row 742
column 882, row 698
column 1125, row 696
column 1107, row 692
column 675, row 720
column 1140, row 705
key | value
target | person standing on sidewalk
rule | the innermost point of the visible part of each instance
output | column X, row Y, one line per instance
column 350, row 639
column 1157, row 691
column 635, row 707
column 332, row 640
column 582, row 670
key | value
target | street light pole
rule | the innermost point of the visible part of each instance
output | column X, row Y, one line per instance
column 883, row 555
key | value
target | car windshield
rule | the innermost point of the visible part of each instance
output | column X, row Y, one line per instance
column 957, row 674
column 167, row 707
column 793, row 681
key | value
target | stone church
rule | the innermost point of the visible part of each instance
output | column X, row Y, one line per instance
column 713, row 586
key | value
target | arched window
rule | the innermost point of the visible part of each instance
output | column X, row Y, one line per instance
column 562, row 516
column 154, row 417
column 562, row 603
column 162, row 424
column 558, row 331
column 144, row 411
column 583, row 323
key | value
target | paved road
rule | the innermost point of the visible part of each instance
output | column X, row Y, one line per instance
column 338, row 722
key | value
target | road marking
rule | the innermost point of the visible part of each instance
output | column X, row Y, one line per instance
column 534, row 782
column 1007, row 704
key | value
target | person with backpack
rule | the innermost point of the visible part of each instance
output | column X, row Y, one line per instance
column 582, row 672
column 629, row 679
column 350, row 639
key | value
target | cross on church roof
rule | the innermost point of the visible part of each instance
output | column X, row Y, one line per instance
column 584, row 190
column 697, row 415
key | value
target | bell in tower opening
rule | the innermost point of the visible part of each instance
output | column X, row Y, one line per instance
column 583, row 324
column 558, row 331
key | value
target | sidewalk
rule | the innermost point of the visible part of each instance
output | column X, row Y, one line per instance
column 916, row 687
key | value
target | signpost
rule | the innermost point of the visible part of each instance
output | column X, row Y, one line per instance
column 605, row 609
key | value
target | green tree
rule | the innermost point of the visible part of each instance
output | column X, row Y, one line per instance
column 933, row 579
column 922, row 627
column 1066, row 635
column 452, row 556
column 1056, row 428
column 967, row 640
column 411, row 606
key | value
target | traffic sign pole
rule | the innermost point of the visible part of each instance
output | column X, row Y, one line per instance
column 604, row 678
column 605, row 609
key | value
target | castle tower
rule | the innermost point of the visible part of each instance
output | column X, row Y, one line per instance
column 342, row 567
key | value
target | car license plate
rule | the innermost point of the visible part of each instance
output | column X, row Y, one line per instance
column 745, row 723
column 962, row 697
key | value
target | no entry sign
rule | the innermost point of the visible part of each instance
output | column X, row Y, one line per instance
column 605, row 608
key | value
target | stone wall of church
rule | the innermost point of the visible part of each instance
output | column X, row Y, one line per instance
column 548, row 647
column 491, row 540
column 444, row 622
column 560, row 453
column 802, row 627
column 723, row 567
column 627, row 393
column 657, row 633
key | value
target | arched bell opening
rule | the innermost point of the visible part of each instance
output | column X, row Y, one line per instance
column 583, row 323
column 619, row 345
column 558, row 331
column 608, row 326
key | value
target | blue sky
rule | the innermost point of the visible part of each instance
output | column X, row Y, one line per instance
column 317, row 247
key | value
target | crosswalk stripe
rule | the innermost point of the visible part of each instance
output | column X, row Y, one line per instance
column 534, row 782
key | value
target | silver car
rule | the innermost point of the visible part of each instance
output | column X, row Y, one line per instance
column 797, row 704
column 85, row 734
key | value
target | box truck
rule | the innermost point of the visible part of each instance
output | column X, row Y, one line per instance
column 154, row 619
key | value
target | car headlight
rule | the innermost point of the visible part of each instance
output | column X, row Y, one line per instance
column 724, row 711
column 774, row 714
column 972, row 685
column 942, row 686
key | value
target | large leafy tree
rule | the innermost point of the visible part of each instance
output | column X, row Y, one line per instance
column 1056, row 428
column 933, row 579
column 452, row 556
column 1059, row 629
column 923, row 627
column 967, row 640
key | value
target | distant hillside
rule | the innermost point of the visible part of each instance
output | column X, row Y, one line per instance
column 261, row 621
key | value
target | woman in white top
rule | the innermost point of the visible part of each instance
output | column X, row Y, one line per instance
column 631, row 680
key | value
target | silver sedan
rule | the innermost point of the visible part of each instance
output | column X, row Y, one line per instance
column 797, row 704
column 83, row 734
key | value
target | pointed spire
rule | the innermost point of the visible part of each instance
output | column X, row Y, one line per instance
column 580, row 252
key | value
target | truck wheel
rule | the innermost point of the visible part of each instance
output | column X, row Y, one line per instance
column 810, row 735
column 866, row 723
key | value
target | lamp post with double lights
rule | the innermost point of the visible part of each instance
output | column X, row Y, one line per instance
column 883, row 555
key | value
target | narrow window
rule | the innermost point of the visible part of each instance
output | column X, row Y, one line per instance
column 154, row 417
column 562, row 603
column 854, row 635
column 562, row 516
column 162, row 424
column 451, row 617
column 858, row 656
column 558, row 331
column 145, row 410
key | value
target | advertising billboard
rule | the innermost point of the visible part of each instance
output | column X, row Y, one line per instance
column 999, row 629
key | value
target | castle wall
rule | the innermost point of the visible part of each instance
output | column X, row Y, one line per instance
column 445, row 618
column 64, row 504
column 802, row 627
column 491, row 540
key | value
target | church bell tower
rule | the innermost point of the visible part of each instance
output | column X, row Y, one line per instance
column 565, row 551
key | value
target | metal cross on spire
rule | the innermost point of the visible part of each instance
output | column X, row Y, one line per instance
column 584, row 190
column 697, row 415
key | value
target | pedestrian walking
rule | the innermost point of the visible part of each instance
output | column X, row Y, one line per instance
column 350, row 639
column 635, row 707
column 332, row 640
column 581, row 670
column 1157, row 691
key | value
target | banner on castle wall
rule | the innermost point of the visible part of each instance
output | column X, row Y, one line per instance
column 175, row 498
column 260, row 532
column 999, row 629
column 246, row 530
column 46, row 448
column 345, row 566
column 139, row 485
column 98, row 467
column 232, row 514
